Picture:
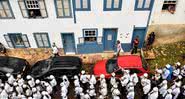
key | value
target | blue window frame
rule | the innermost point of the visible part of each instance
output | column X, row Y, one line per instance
column 143, row 4
column 17, row 40
column 63, row 8
column 89, row 36
column 112, row 5
column 82, row 5
column 42, row 40
column 5, row 10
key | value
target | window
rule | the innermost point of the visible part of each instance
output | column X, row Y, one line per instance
column 33, row 8
column 111, row 5
column 17, row 40
column 90, row 35
column 143, row 4
column 42, row 40
column 82, row 5
column 169, row 5
column 5, row 9
column 63, row 8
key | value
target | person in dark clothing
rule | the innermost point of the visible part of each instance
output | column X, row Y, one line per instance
column 135, row 45
column 2, row 48
column 150, row 40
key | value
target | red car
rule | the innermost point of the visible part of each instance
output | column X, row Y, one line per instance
column 134, row 63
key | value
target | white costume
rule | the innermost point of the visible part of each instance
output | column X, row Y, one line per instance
column 153, row 94
column 163, row 88
column 168, row 95
column 131, row 93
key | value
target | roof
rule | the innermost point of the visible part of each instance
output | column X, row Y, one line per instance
column 129, row 61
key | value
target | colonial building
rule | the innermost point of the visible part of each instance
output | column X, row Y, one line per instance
column 77, row 26
column 168, row 21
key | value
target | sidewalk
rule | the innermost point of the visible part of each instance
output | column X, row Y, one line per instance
column 33, row 55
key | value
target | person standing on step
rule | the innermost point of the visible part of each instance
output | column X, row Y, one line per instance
column 135, row 45
column 55, row 50
column 119, row 48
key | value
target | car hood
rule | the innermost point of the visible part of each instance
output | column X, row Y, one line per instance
column 100, row 68
column 12, row 65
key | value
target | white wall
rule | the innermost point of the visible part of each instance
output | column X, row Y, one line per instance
column 160, row 17
column 124, row 20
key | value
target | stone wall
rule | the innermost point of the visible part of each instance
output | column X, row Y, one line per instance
column 32, row 55
column 168, row 33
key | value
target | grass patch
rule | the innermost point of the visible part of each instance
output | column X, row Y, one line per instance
column 168, row 54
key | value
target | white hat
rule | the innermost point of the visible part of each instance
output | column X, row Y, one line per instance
column 46, row 84
column 83, row 71
column 131, row 89
column 34, row 89
column 131, row 84
column 61, row 84
column 37, row 81
column 183, row 86
column 155, row 89
column 164, row 82
column 113, row 74
column 117, row 92
column 51, row 77
column 75, row 77
column 145, row 75
column 179, row 77
column 64, row 77
column 24, row 86
column 19, row 76
column 169, row 90
column 8, row 75
column 102, row 76
column 43, row 92
column 178, row 84
column 127, row 71
column 178, row 63
column 30, row 97
column 159, row 71
column 15, row 84
column 115, row 86
column 28, row 77
column 167, row 65
column 135, row 74
column 101, row 97
column 82, row 94
column 2, row 85
column 104, row 85
column 91, row 86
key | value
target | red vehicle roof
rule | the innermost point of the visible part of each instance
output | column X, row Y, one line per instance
column 129, row 61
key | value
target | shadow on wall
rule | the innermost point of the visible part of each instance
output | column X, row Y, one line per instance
column 31, row 54
column 167, row 33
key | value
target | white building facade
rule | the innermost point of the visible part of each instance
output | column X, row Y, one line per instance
column 77, row 26
column 168, row 21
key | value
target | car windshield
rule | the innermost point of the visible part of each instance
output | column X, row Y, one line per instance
column 111, row 65
column 40, row 67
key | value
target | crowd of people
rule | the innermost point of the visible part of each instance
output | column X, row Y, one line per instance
column 166, row 83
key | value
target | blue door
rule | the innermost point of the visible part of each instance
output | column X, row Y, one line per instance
column 109, row 36
column 140, row 32
column 68, row 42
